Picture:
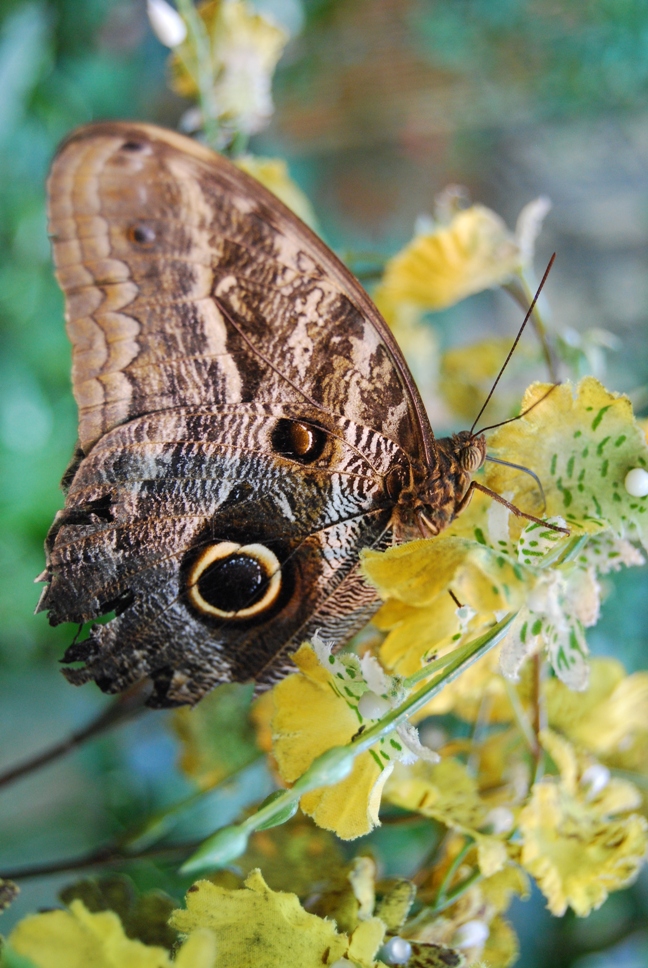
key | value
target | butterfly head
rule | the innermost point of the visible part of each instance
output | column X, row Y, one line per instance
column 437, row 491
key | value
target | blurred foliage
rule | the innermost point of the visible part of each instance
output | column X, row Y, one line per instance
column 360, row 73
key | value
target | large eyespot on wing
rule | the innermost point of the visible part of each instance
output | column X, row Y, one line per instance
column 233, row 581
column 187, row 283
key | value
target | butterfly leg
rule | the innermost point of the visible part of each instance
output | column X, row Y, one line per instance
column 476, row 485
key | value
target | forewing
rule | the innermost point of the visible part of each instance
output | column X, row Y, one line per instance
column 188, row 284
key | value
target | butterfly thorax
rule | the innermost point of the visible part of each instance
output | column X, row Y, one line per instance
column 436, row 490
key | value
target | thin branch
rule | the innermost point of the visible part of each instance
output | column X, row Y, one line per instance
column 124, row 707
column 103, row 857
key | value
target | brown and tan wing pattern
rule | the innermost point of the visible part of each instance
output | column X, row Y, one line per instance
column 156, row 496
column 245, row 421
column 187, row 282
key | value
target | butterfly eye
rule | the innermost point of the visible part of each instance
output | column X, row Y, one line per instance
column 472, row 457
column 141, row 234
column 234, row 581
column 298, row 441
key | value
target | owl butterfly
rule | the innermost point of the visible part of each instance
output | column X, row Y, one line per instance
column 247, row 423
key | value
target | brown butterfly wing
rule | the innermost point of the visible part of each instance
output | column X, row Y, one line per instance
column 236, row 388
column 182, row 274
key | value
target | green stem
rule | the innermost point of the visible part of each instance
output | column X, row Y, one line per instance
column 521, row 718
column 159, row 824
column 455, row 894
column 442, row 893
column 336, row 764
column 563, row 553
column 431, row 668
column 521, row 290
column 204, row 73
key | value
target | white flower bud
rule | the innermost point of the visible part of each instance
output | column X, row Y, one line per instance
column 433, row 736
column 166, row 23
column 470, row 935
column 636, row 482
column 596, row 777
column 500, row 820
column 397, row 951
column 372, row 706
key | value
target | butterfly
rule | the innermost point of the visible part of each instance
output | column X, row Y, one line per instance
column 247, row 424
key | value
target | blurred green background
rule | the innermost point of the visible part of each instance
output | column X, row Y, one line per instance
column 380, row 104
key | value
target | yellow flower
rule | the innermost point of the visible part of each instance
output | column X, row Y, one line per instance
column 606, row 717
column 78, row 938
column 324, row 705
column 256, row 927
column 273, row 175
column 578, row 841
column 467, row 374
column 448, row 793
column 245, row 48
column 494, row 563
column 581, row 441
column 475, row 251
column 421, row 617
column 474, row 921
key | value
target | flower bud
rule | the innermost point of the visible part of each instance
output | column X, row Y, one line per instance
column 500, row 820
column 283, row 816
column 596, row 777
column 636, row 482
column 220, row 849
column 331, row 767
column 470, row 935
column 372, row 706
column 397, row 951
column 166, row 23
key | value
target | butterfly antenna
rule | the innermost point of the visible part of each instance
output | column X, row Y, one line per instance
column 516, row 341
column 503, row 423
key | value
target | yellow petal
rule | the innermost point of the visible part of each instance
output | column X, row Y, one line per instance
column 416, row 572
column 365, row 941
column 581, row 441
column 445, row 791
column 474, row 252
column 310, row 718
column 467, row 374
column 350, row 808
column 492, row 855
column 362, row 878
column 78, row 939
column 502, row 948
column 608, row 714
column 255, row 927
column 499, row 890
column 564, row 756
column 198, row 951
